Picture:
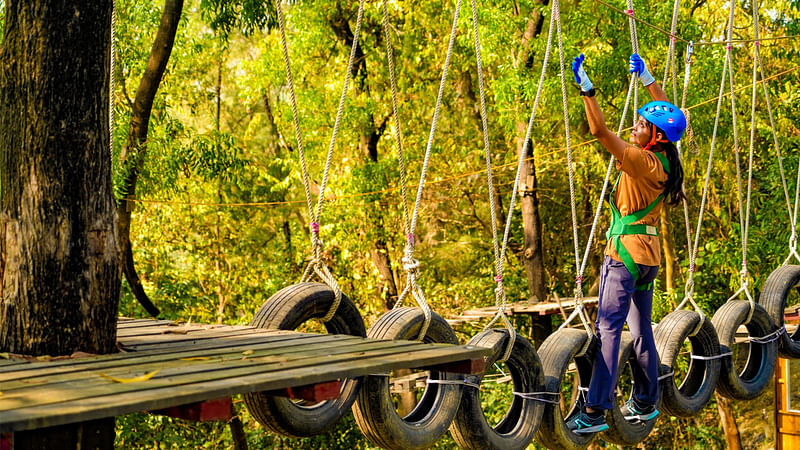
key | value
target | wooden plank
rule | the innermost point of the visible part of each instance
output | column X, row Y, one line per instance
column 136, row 341
column 177, row 329
column 120, row 359
column 186, row 372
column 106, row 406
column 146, row 363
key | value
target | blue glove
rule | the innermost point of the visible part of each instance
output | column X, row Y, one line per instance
column 636, row 64
column 580, row 75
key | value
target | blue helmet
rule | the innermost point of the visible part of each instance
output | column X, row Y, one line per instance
column 665, row 116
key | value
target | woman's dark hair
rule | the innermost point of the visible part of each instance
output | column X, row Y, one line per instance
column 673, row 188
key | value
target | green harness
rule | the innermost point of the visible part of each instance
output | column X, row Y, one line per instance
column 622, row 226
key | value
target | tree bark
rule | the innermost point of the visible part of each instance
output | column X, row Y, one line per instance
column 59, row 264
column 728, row 419
column 58, row 242
column 133, row 154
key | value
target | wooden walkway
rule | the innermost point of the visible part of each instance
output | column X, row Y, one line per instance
column 529, row 308
column 164, row 365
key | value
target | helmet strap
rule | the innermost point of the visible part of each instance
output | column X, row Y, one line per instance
column 653, row 140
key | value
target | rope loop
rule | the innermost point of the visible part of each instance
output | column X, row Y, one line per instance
column 318, row 267
column 410, row 264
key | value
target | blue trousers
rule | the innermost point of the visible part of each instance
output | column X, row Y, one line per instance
column 620, row 302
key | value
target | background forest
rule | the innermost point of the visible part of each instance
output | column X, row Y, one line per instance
column 219, row 221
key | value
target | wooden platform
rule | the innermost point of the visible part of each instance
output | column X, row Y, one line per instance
column 196, row 363
column 530, row 308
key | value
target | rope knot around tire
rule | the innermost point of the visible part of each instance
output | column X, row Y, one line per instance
column 318, row 267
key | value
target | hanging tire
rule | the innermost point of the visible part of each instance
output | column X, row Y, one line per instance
column 470, row 428
column 287, row 309
column 620, row 431
column 557, row 352
column 774, row 294
column 696, row 389
column 751, row 381
column 374, row 409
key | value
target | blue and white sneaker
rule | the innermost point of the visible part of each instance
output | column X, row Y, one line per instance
column 634, row 412
column 581, row 423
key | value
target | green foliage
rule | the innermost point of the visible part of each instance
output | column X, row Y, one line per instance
column 225, row 221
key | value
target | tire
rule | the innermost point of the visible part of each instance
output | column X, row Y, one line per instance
column 556, row 352
column 470, row 429
column 773, row 298
column 620, row 431
column 374, row 410
column 760, row 366
column 287, row 309
column 695, row 391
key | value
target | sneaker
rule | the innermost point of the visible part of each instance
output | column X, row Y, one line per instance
column 634, row 412
column 581, row 423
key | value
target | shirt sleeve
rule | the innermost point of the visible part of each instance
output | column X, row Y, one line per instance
column 637, row 162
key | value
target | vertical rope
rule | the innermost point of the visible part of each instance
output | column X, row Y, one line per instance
column 635, row 45
column 500, row 290
column 500, row 295
column 671, row 52
column 317, row 265
column 111, row 69
column 410, row 264
column 689, row 292
column 339, row 111
column 398, row 133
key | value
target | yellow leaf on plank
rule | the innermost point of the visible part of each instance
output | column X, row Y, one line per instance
column 196, row 358
column 247, row 352
column 5, row 355
column 144, row 377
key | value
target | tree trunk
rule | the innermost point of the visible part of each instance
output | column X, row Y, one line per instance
column 532, row 254
column 728, row 419
column 59, row 262
column 133, row 154
column 58, row 243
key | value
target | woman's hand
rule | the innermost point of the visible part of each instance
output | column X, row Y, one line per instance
column 580, row 74
column 636, row 64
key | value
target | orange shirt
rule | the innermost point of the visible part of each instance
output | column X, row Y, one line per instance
column 640, row 183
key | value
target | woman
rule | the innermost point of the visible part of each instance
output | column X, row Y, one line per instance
column 650, row 171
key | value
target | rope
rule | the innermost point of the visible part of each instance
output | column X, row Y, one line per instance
column 685, row 41
column 579, row 310
column 792, row 211
column 454, row 382
column 500, row 249
column 671, row 51
column 317, row 264
column 441, row 180
column 635, row 45
column 744, row 211
column 535, row 396
column 689, row 290
column 111, row 63
column 712, row 357
column 411, row 265
column 766, row 339
column 665, row 376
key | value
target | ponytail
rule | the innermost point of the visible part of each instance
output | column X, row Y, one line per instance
column 673, row 188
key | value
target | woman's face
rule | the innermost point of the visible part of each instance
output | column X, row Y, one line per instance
column 640, row 134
